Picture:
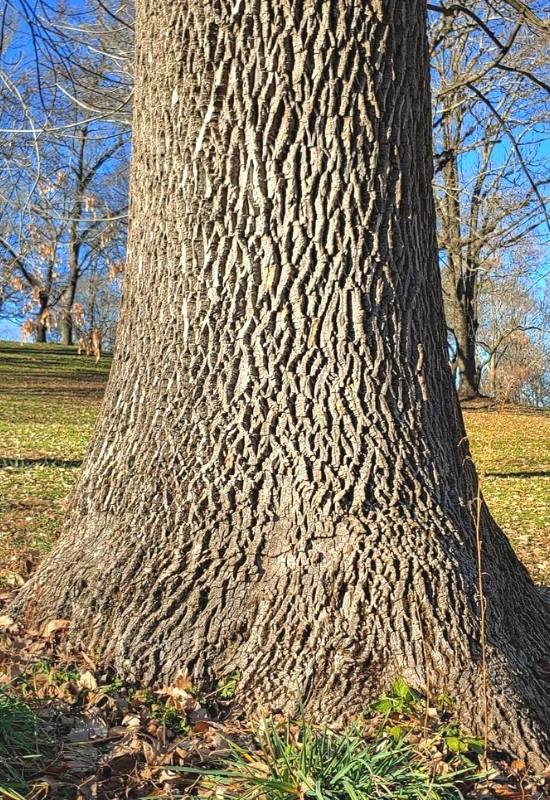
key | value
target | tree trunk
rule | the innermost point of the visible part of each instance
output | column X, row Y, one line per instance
column 279, row 482
column 75, row 244
column 41, row 329
column 41, row 334
column 67, row 302
column 462, row 295
column 67, row 322
column 492, row 374
column 465, row 332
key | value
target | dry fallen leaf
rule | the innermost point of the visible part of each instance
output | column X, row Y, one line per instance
column 509, row 793
column 88, row 789
column 90, row 727
column 122, row 763
column 131, row 721
column 53, row 626
column 183, row 682
column 87, row 681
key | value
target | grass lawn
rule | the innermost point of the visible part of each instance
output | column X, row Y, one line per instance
column 49, row 399
column 513, row 450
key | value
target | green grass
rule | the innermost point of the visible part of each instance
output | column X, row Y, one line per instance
column 50, row 397
column 24, row 746
column 49, row 400
column 294, row 762
column 513, row 450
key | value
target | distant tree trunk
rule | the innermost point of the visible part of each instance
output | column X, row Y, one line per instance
column 67, row 301
column 279, row 482
column 41, row 330
column 462, row 286
column 492, row 374
column 41, row 335
column 466, row 335
column 75, row 244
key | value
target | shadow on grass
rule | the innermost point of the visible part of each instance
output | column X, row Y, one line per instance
column 534, row 474
column 6, row 463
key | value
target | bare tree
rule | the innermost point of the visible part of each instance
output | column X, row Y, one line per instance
column 513, row 339
column 491, row 178
column 65, row 196
column 56, row 228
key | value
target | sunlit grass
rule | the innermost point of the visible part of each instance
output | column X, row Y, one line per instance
column 49, row 400
column 24, row 746
column 512, row 452
column 295, row 762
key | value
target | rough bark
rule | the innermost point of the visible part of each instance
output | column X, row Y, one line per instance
column 279, row 481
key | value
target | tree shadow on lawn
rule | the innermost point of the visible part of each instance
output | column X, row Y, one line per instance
column 534, row 474
column 7, row 463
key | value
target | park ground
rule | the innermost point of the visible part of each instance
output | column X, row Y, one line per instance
column 129, row 741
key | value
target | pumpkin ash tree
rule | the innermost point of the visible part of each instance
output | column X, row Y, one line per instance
column 279, row 481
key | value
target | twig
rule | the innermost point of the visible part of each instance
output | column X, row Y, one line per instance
column 482, row 609
column 426, row 670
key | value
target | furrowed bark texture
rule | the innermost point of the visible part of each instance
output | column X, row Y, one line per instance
column 279, row 481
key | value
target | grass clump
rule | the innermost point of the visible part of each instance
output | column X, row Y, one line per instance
column 295, row 762
column 24, row 746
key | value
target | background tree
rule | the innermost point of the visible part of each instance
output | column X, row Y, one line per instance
column 513, row 337
column 491, row 178
column 279, row 482
column 56, row 227
column 64, row 210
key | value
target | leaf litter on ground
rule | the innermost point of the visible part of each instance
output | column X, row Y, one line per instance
column 96, row 737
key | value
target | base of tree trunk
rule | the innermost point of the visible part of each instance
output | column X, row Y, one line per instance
column 471, row 394
column 326, row 628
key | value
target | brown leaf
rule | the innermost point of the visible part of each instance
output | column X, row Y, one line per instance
column 132, row 721
column 509, row 792
column 183, row 682
column 151, row 752
column 93, row 726
column 174, row 692
column 88, row 660
column 53, row 626
column 88, row 789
